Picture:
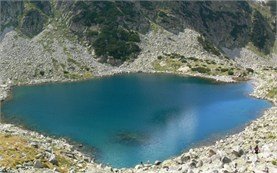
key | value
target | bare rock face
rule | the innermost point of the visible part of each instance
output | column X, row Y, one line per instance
column 114, row 29
column 10, row 11
column 32, row 23
column 44, row 6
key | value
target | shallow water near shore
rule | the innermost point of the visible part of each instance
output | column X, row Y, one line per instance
column 131, row 118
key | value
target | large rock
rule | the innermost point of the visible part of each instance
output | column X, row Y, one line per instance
column 53, row 160
column 185, row 158
column 238, row 153
column 193, row 164
column 225, row 160
column 157, row 162
column 211, row 152
column 44, row 6
column 38, row 164
column 10, row 12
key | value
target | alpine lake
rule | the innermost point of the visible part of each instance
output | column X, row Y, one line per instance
column 132, row 118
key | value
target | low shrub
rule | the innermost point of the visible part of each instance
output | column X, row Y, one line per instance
column 201, row 69
column 250, row 70
column 224, row 70
column 42, row 73
column 160, row 57
column 230, row 72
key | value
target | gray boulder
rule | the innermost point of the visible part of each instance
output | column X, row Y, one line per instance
column 53, row 160
column 226, row 160
column 38, row 164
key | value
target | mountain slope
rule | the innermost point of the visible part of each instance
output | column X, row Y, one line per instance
column 78, row 39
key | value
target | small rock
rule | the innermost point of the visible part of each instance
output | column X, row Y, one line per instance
column 38, row 164
column 38, row 156
column 211, row 153
column 87, row 159
column 238, row 153
column 185, row 159
column 199, row 164
column 3, row 169
column 27, row 164
column 138, row 166
column 193, row 164
column 226, row 160
column 70, row 155
column 53, row 160
column 34, row 144
column 157, row 162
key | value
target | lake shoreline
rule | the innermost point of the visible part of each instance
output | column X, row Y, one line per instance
column 176, row 163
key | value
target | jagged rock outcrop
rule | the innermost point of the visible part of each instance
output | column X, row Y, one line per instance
column 10, row 12
column 225, row 24
column 32, row 23
column 79, row 39
column 35, row 16
column 113, row 28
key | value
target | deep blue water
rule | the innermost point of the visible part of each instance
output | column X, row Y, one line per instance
column 136, row 117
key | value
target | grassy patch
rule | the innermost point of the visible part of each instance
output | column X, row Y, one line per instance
column 274, row 162
column 14, row 151
column 154, row 27
column 173, row 61
column 87, row 75
column 272, row 93
column 167, row 65
column 201, row 69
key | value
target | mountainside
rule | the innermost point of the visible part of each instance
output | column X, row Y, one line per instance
column 118, row 32
column 60, row 40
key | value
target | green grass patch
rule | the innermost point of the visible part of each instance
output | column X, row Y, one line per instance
column 167, row 65
column 272, row 93
column 201, row 69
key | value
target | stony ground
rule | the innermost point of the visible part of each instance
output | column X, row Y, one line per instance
column 51, row 57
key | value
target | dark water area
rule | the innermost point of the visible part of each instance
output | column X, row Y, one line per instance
column 134, row 117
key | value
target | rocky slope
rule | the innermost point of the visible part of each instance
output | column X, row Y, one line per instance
column 53, row 33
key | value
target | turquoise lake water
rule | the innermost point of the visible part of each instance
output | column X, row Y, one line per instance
column 134, row 117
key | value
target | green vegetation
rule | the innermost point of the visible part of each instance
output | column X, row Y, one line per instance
column 117, row 42
column 208, row 46
column 112, row 39
column 16, row 150
column 42, row 73
column 274, row 162
column 10, row 147
column 230, row 72
column 272, row 93
column 261, row 34
column 201, row 69
column 167, row 65
column 174, row 62
column 154, row 27
column 249, row 70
